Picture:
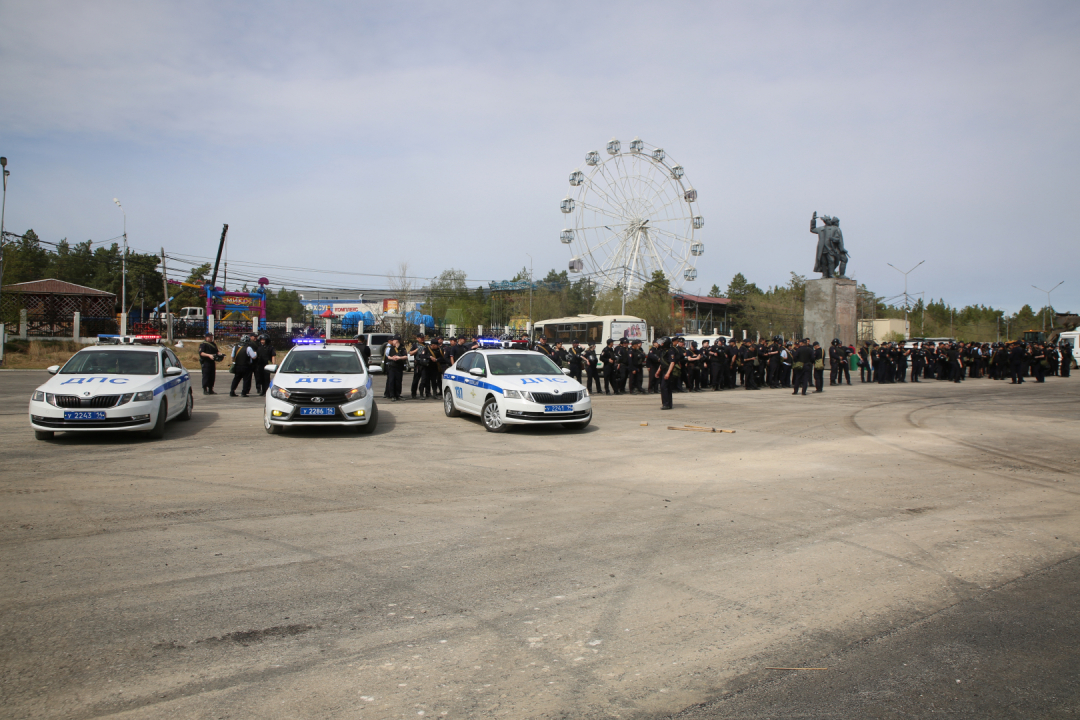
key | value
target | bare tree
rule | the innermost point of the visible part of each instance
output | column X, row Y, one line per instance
column 404, row 288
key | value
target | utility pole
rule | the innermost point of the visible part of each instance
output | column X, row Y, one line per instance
column 165, row 287
column 123, row 275
column 530, row 295
column 1047, row 308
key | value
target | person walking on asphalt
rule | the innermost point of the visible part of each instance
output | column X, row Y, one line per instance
column 244, row 356
column 209, row 355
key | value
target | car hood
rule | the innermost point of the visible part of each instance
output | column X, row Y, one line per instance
column 91, row 385
column 291, row 381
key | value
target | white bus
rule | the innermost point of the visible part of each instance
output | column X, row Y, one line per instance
column 592, row 329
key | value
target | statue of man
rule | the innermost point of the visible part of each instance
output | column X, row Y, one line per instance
column 830, row 247
column 823, row 259
column 836, row 243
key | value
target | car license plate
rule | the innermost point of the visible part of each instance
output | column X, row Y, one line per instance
column 558, row 408
column 318, row 411
column 76, row 415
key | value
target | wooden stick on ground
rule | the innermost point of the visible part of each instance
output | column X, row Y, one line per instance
column 700, row 428
column 775, row 668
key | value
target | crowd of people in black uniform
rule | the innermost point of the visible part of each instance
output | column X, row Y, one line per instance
column 672, row 365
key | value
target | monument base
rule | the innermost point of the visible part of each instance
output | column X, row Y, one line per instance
column 829, row 311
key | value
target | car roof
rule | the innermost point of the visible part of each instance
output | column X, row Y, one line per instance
column 496, row 351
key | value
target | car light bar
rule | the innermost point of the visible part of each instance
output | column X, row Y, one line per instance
column 308, row 341
column 105, row 339
column 489, row 342
column 341, row 341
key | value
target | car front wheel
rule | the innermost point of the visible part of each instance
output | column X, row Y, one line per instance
column 448, row 404
column 158, row 431
column 43, row 434
column 490, row 415
column 270, row 427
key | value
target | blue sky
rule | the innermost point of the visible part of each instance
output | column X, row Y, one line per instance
column 354, row 136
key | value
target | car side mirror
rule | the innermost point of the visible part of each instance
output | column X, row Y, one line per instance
column 566, row 371
column 478, row 372
column 271, row 368
column 173, row 371
column 53, row 369
column 375, row 369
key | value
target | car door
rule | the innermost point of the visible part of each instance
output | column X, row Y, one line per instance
column 182, row 385
column 460, row 372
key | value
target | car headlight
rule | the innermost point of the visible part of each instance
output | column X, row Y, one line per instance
column 144, row 396
column 38, row 396
column 125, row 398
column 357, row 393
column 51, row 399
column 279, row 392
column 512, row 394
column 584, row 393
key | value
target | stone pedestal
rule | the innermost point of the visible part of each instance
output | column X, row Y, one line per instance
column 829, row 311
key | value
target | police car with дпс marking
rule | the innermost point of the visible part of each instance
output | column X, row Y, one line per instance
column 321, row 382
column 514, row 387
column 113, row 387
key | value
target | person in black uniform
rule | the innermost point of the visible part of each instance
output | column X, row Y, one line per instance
column 457, row 350
column 1066, row 358
column 209, row 356
column 607, row 356
column 918, row 357
column 1039, row 362
column 637, row 367
column 445, row 361
column 803, row 366
column 956, row 365
column 575, row 358
column 819, row 372
column 422, row 380
column 622, row 365
column 244, row 356
column 902, row 354
column 592, row 373
column 434, row 368
column 836, row 357
column 265, row 355
column 652, row 364
column 749, row 359
column 396, row 359
column 365, row 351
column 418, row 372
column 669, row 358
column 559, row 355
column 785, row 365
column 693, row 369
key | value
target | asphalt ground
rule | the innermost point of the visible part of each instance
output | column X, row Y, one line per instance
column 901, row 537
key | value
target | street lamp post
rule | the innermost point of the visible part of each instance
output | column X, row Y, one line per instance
column 3, row 208
column 1047, row 308
column 906, row 304
column 123, row 275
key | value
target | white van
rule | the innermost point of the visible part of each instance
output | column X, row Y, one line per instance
column 1072, row 337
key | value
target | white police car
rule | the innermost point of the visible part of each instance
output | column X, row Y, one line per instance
column 514, row 387
column 321, row 382
column 113, row 387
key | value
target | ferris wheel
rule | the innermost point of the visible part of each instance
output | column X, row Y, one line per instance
column 633, row 213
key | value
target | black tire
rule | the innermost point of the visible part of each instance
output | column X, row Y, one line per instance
column 43, row 434
column 372, row 423
column 491, row 418
column 448, row 404
column 188, row 407
column 578, row 425
column 271, row 428
column 158, row 431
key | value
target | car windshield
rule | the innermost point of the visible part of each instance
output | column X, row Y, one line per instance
column 322, row 362
column 112, row 362
column 522, row 364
